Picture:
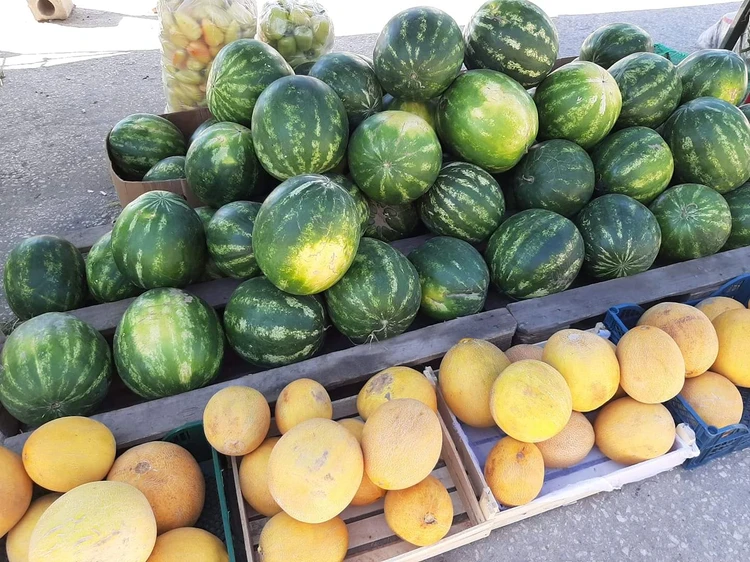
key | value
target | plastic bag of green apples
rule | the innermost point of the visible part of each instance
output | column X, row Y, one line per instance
column 192, row 33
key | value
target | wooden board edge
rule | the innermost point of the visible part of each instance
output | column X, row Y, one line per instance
column 247, row 543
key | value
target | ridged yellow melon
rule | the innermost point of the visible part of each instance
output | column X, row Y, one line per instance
column 691, row 330
column 17, row 545
column 524, row 351
column 401, row 443
column 15, row 490
column 254, row 479
column 466, row 375
column 530, row 401
column 95, row 522
column 652, row 369
column 571, row 445
column 713, row 306
column 368, row 492
column 315, row 470
column 284, row 539
column 514, row 471
column 422, row 514
column 394, row 383
column 67, row 452
column 169, row 477
column 588, row 365
column 236, row 420
column 733, row 361
column 299, row 401
column 188, row 544
column 714, row 398
column 629, row 432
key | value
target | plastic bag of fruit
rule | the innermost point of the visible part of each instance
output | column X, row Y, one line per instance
column 300, row 30
column 192, row 33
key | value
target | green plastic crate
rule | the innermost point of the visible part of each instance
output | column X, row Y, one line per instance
column 675, row 56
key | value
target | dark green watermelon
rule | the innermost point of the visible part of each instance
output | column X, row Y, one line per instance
column 424, row 109
column 270, row 328
column 713, row 72
column 171, row 168
column 391, row 222
column 556, row 175
column 106, row 282
column 613, row 42
column 363, row 207
column 229, row 237
column 168, row 342
column 453, row 277
column 200, row 128
column 621, row 236
column 54, row 365
column 534, row 253
column 44, row 274
column 379, row 296
column 739, row 206
column 515, row 37
column 211, row 272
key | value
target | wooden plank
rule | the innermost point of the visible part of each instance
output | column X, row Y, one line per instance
column 87, row 237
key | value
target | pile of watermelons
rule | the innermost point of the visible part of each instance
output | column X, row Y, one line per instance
column 604, row 164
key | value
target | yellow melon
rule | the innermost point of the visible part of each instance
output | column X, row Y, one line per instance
column 254, row 479
column 588, row 365
column 95, row 522
column 284, row 539
column 713, row 306
column 612, row 346
column 401, row 443
column 733, row 361
column 315, row 470
column 629, row 432
column 15, row 490
column 393, row 383
column 169, row 477
column 466, row 375
column 514, row 471
column 236, row 420
column 652, row 369
column 420, row 515
column 368, row 492
column 188, row 544
column 530, row 401
column 691, row 330
column 302, row 400
column 17, row 545
column 524, row 351
column 714, row 398
column 571, row 445
column 67, row 452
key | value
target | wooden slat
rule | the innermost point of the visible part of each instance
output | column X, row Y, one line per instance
column 87, row 237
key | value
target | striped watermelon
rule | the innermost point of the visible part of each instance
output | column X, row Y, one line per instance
column 621, row 236
column 158, row 241
column 424, row 109
column 635, row 162
column 391, row 222
column 200, row 128
column 299, row 127
column 514, row 37
column 168, row 342
column 394, row 157
column 713, row 72
column 710, row 142
column 556, row 175
column 650, row 89
column 465, row 202
column 54, row 365
column 239, row 73
column 695, row 221
column 487, row 119
column 579, row 102
column 363, row 207
column 171, row 168
column 534, row 253
column 453, row 277
column 379, row 296
column 105, row 281
column 270, row 328
column 211, row 272
column 44, row 274
column 229, row 237
column 613, row 42
column 306, row 234
column 418, row 53
column 739, row 207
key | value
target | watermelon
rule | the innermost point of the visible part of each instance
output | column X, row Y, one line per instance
column 44, row 274
column 363, row 207
column 514, row 37
column 54, row 365
column 391, row 222
column 168, row 342
column 713, row 72
column 229, row 237
column 171, row 168
column 221, row 166
column 158, row 241
column 453, row 277
column 239, row 73
column 487, row 119
column 424, row 109
column 270, row 328
column 621, row 236
column 379, row 296
column 650, row 89
column 745, row 109
column 739, row 206
column 635, row 162
column 211, row 271
column 200, row 128
column 534, row 253
column 579, row 102
column 613, row 42
column 394, row 157
column 710, row 142
column 418, row 53
column 465, row 202
column 105, row 281
column 695, row 221
column 355, row 83
column 306, row 234
column 556, row 175
column 299, row 127
column 139, row 141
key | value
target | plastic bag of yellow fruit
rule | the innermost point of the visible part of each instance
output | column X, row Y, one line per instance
column 192, row 33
